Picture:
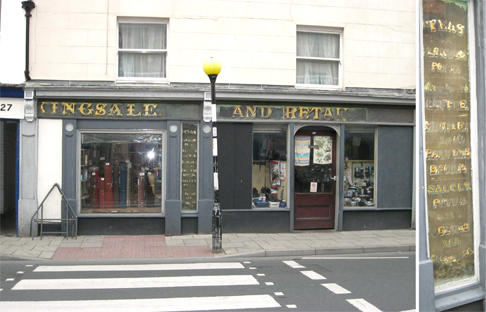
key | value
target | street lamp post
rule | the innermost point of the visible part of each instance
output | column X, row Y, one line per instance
column 212, row 68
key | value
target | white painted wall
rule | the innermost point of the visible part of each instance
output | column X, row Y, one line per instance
column 254, row 40
column 49, row 165
column 12, row 42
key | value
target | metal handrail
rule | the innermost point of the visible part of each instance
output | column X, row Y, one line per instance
column 70, row 216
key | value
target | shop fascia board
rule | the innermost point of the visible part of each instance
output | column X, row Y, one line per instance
column 288, row 95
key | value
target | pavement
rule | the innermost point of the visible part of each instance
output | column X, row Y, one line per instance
column 298, row 243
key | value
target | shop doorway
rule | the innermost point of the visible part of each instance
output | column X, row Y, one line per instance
column 315, row 179
column 8, row 176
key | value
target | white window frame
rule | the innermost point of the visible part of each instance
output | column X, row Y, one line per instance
column 131, row 20
column 321, row 30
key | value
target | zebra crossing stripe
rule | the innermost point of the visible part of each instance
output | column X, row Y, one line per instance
column 363, row 305
column 140, row 267
column 335, row 288
column 145, row 305
column 294, row 265
column 139, row 282
column 313, row 275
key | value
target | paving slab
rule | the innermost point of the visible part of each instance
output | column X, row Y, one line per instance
column 234, row 245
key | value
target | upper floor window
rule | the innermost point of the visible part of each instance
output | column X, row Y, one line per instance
column 318, row 58
column 142, row 50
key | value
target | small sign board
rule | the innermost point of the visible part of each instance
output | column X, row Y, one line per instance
column 11, row 108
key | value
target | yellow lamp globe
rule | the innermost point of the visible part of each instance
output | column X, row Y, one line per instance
column 212, row 66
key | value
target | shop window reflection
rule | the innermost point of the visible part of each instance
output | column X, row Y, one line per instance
column 269, row 168
column 121, row 173
column 359, row 168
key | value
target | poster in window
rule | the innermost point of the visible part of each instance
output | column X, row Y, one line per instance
column 302, row 150
column 275, row 173
column 323, row 150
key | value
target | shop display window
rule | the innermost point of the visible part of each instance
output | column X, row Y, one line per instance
column 189, row 167
column 359, row 168
column 269, row 176
column 121, row 172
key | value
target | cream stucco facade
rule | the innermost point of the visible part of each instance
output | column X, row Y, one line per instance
column 254, row 40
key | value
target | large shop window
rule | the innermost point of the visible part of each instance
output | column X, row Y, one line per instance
column 142, row 50
column 269, row 169
column 359, row 168
column 318, row 58
column 121, row 172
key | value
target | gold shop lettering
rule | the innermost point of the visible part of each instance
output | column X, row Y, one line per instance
column 291, row 112
column 454, row 187
column 99, row 109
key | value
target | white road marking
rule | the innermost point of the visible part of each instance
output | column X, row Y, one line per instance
column 269, row 283
column 10, row 279
column 335, row 288
column 280, row 294
column 252, row 268
column 294, row 265
column 20, row 272
column 140, row 282
column 29, row 265
column 363, row 305
column 145, row 305
column 350, row 258
column 140, row 267
column 313, row 275
column 260, row 274
column 291, row 306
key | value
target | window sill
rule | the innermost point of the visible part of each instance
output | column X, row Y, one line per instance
column 373, row 208
column 121, row 215
column 142, row 81
column 318, row 87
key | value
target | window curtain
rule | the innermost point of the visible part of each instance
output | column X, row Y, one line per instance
column 318, row 46
column 142, row 37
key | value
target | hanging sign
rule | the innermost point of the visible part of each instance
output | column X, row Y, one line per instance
column 447, row 112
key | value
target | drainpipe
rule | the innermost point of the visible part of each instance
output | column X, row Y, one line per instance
column 27, row 6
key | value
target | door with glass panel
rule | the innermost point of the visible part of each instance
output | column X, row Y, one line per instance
column 315, row 179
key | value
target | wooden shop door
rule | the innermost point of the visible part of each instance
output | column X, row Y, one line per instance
column 315, row 179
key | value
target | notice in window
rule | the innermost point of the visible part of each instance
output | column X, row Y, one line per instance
column 447, row 111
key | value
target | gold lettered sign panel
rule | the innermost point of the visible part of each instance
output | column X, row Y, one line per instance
column 447, row 110
column 251, row 112
column 116, row 110
column 189, row 167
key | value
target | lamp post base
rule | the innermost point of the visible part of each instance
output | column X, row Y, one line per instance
column 217, row 231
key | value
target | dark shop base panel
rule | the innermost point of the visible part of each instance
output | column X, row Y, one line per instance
column 121, row 226
column 470, row 307
column 255, row 221
column 377, row 220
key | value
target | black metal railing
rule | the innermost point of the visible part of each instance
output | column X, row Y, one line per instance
column 69, row 217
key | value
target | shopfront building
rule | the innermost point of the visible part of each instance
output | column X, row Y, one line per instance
column 315, row 165
column 142, row 162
